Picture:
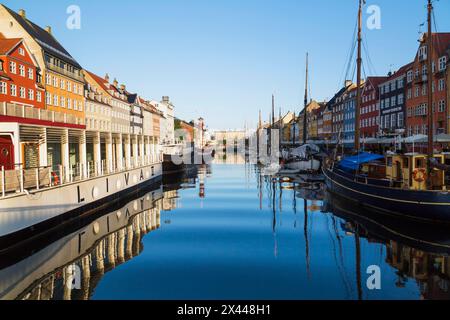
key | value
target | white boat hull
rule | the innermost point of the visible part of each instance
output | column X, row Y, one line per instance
column 303, row 165
column 21, row 211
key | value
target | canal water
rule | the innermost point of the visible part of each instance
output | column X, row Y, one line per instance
column 226, row 232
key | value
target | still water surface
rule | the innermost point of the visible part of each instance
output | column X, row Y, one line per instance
column 228, row 233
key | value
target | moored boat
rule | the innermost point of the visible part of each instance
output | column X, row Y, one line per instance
column 409, row 185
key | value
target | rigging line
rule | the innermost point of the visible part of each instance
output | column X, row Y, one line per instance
column 334, row 251
column 349, row 54
column 367, row 53
column 368, row 61
column 351, row 62
column 341, row 254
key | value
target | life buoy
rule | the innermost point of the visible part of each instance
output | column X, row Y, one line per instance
column 420, row 175
column 55, row 178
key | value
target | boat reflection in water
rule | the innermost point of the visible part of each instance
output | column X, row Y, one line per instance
column 231, row 233
column 416, row 250
column 72, row 267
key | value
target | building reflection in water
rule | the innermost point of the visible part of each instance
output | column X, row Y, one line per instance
column 430, row 269
column 82, row 258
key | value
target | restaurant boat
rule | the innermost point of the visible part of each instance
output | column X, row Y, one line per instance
column 409, row 185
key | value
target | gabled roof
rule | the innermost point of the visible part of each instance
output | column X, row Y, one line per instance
column 375, row 81
column 103, row 83
column 43, row 38
column 6, row 45
column 441, row 42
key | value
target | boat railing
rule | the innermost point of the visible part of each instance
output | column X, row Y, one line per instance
column 25, row 180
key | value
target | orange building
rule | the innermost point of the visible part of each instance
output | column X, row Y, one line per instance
column 61, row 73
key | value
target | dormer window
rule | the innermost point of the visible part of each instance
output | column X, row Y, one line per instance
column 21, row 51
column 442, row 63
column 423, row 53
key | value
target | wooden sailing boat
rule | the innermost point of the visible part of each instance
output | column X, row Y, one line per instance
column 303, row 158
column 408, row 185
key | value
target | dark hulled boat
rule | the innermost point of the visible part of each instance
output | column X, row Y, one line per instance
column 428, row 205
column 408, row 185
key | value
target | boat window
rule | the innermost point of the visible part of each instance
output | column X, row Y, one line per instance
column 389, row 161
column 420, row 163
column 406, row 163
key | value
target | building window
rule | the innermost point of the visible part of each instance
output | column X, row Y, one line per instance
column 22, row 70
column 409, row 76
column 75, row 105
column 409, row 94
column 441, row 85
column 30, row 74
column 393, row 120
column 62, row 84
column 12, row 67
column 48, row 98
column 55, row 82
column 393, row 85
column 400, row 120
column 22, row 92
column 47, row 79
column 38, row 96
column 30, row 94
column 393, row 101
column 3, row 88
column 63, row 102
column 400, row 83
column 400, row 99
column 424, row 90
column 416, row 92
column 69, row 86
column 441, row 106
column 69, row 103
column 55, row 100
column 21, row 51
column 442, row 63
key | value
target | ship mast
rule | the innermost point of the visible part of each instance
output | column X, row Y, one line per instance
column 430, row 94
column 358, row 81
column 305, row 121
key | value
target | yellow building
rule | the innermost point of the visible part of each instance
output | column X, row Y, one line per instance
column 60, row 72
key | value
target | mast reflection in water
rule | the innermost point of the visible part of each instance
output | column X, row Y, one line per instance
column 226, row 232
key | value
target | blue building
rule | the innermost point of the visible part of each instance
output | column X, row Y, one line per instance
column 349, row 101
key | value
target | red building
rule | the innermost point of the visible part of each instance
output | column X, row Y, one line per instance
column 417, row 87
column 20, row 92
column 19, row 76
column 370, row 107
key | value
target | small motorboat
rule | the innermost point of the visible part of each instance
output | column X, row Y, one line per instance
column 305, row 158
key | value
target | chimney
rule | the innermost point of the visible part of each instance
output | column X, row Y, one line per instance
column 165, row 99
column 115, row 83
column 22, row 13
column 107, row 77
column 48, row 29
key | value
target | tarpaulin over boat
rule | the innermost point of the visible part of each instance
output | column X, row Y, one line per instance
column 352, row 163
column 305, row 151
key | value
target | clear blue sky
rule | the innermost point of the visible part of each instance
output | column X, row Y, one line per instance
column 223, row 59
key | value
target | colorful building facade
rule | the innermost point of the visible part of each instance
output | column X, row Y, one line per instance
column 370, row 107
column 417, row 92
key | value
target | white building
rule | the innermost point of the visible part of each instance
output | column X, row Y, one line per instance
column 168, row 121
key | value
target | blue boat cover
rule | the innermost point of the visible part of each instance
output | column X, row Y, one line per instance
column 352, row 163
